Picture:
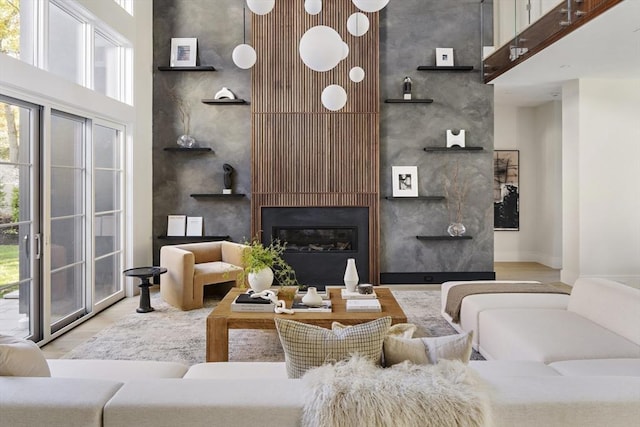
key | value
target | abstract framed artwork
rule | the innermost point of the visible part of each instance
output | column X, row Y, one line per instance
column 183, row 52
column 506, row 190
column 405, row 181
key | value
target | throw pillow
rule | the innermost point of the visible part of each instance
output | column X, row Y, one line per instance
column 21, row 358
column 309, row 346
column 402, row 330
column 428, row 350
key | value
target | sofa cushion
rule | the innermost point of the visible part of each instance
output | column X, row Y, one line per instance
column 21, row 358
column 308, row 346
column 54, row 402
column 548, row 335
column 117, row 370
column 598, row 367
column 511, row 368
column 427, row 350
column 611, row 304
column 237, row 370
column 214, row 272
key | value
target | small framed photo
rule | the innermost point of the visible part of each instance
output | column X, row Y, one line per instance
column 444, row 57
column 405, row 181
column 183, row 52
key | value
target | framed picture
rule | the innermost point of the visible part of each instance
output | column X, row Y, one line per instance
column 176, row 225
column 405, row 181
column 444, row 57
column 506, row 190
column 183, row 52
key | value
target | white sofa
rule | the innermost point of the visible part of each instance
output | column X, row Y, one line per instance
column 599, row 320
column 122, row 393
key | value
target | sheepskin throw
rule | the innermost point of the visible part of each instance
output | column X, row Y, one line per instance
column 357, row 393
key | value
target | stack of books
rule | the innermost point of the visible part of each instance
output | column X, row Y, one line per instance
column 299, row 307
column 244, row 303
column 364, row 305
column 357, row 295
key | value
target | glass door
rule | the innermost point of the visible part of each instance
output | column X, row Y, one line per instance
column 20, row 244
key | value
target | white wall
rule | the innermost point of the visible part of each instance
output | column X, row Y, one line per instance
column 601, row 172
column 536, row 132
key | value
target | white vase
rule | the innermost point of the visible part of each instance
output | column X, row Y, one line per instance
column 351, row 275
column 312, row 299
column 261, row 280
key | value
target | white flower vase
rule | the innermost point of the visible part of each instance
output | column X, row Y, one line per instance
column 312, row 299
column 351, row 275
column 261, row 280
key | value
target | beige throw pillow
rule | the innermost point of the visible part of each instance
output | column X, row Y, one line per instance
column 309, row 346
column 428, row 350
column 21, row 358
column 402, row 330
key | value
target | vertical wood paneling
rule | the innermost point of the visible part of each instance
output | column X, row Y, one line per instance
column 303, row 154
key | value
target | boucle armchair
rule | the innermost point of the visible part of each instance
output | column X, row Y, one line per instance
column 190, row 267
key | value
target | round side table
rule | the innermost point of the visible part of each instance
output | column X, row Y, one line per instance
column 144, row 274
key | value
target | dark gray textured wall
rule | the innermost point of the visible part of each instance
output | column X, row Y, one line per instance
column 410, row 32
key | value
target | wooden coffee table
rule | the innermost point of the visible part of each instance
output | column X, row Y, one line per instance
column 222, row 319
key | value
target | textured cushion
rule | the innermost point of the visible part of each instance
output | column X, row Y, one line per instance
column 115, row 370
column 401, row 330
column 308, row 346
column 427, row 350
column 21, row 358
column 237, row 370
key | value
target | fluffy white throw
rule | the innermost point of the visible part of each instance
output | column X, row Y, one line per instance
column 358, row 393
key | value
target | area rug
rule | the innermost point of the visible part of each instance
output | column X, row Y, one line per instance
column 169, row 334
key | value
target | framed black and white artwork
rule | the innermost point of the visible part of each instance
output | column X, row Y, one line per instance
column 405, row 181
column 506, row 190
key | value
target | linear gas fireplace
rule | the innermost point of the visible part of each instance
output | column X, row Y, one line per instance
column 320, row 240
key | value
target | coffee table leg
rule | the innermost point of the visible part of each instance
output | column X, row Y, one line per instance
column 145, row 301
column 217, row 339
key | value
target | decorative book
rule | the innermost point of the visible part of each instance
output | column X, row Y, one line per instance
column 299, row 307
column 357, row 295
column 364, row 305
column 244, row 303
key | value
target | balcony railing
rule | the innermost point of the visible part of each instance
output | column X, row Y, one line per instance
column 551, row 27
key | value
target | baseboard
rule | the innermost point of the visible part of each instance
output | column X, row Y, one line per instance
column 430, row 277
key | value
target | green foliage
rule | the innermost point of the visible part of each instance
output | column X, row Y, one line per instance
column 3, row 196
column 259, row 256
column 10, row 27
column 15, row 204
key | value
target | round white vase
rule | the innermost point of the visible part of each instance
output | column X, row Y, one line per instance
column 351, row 275
column 260, row 280
column 312, row 299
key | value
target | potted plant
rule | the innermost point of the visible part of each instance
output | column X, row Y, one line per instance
column 264, row 263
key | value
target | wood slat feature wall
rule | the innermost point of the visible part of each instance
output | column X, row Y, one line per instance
column 303, row 154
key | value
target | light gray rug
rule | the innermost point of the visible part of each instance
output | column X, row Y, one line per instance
column 169, row 334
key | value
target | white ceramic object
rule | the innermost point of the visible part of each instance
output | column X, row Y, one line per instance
column 358, row 24
column 261, row 280
column 261, row 7
column 313, row 7
column 370, row 5
column 224, row 93
column 244, row 56
column 321, row 48
column 351, row 275
column 334, row 97
column 356, row 74
column 312, row 299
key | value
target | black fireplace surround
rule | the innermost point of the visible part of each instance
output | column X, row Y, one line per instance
column 320, row 240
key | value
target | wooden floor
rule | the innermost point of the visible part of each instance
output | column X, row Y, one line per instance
column 75, row 337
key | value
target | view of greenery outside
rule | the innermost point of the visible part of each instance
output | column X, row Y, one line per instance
column 9, row 140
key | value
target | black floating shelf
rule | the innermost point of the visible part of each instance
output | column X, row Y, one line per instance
column 225, row 101
column 453, row 148
column 427, row 198
column 184, row 149
column 408, row 101
column 193, row 238
column 443, row 68
column 196, row 68
column 444, row 237
column 218, row 195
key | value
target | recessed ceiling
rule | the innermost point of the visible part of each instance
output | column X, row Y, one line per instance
column 606, row 47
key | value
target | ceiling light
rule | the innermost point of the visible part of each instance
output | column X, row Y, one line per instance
column 334, row 97
column 356, row 74
column 321, row 48
column 370, row 5
column 313, row 7
column 244, row 56
column 261, row 7
column 358, row 24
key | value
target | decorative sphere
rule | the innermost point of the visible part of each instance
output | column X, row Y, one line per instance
column 356, row 74
column 358, row 24
column 370, row 5
column 334, row 97
column 261, row 7
column 345, row 50
column 321, row 48
column 313, row 7
column 244, row 56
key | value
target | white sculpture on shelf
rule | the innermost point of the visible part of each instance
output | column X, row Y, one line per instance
column 455, row 139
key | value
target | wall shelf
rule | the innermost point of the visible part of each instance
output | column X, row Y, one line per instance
column 218, row 195
column 408, row 101
column 184, row 149
column 428, row 149
column 225, row 101
column 426, row 198
column 196, row 68
column 444, row 237
column 193, row 238
column 445, row 68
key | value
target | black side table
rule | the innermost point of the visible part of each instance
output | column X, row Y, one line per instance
column 144, row 274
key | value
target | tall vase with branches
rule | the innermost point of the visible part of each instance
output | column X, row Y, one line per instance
column 184, row 109
column 456, row 188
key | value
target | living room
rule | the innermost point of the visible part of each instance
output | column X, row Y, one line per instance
column 558, row 125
